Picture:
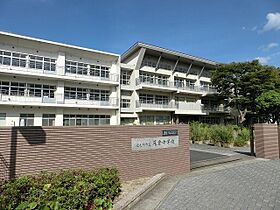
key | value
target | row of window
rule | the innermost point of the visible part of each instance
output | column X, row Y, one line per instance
column 68, row 120
column 73, row 67
column 153, row 78
column 85, row 120
column 26, row 89
column 153, row 99
column 151, row 120
column 25, row 60
column 86, row 94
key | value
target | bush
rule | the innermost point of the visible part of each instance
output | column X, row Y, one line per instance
column 223, row 135
column 243, row 137
column 199, row 132
column 69, row 189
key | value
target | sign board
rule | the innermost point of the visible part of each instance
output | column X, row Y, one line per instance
column 169, row 132
column 142, row 144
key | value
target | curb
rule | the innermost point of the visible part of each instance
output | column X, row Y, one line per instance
column 216, row 161
column 136, row 195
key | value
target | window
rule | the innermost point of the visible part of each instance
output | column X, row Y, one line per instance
column 127, row 121
column 190, row 83
column 161, row 100
column 5, row 58
column 161, row 120
column 151, row 120
column 2, row 119
column 153, row 78
column 26, row 89
column 20, row 60
column 18, row 89
column 179, row 82
column 153, row 99
column 149, row 62
column 4, row 87
column 85, row 120
column 146, row 98
column 41, row 63
column 48, row 119
column 125, row 77
column 26, row 120
column 125, row 103
column 74, row 67
column 86, row 94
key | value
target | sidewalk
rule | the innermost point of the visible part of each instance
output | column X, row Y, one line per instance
column 246, row 184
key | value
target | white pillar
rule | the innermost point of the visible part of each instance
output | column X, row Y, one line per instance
column 60, row 63
column 59, row 117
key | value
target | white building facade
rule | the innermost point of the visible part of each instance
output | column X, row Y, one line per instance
column 161, row 86
column 44, row 83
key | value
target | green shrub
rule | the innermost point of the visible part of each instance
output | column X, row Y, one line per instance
column 221, row 134
column 243, row 137
column 69, row 189
column 199, row 132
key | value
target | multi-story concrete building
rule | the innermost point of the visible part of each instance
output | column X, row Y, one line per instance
column 164, row 86
column 46, row 83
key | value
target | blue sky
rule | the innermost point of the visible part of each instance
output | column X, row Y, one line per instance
column 220, row 30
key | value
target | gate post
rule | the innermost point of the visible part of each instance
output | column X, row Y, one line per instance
column 266, row 139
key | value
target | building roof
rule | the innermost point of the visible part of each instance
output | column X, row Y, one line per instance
column 139, row 45
column 57, row 43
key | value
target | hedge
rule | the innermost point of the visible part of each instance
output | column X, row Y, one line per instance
column 68, row 189
column 222, row 135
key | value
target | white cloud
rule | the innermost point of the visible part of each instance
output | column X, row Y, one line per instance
column 263, row 60
column 268, row 46
column 254, row 28
column 273, row 22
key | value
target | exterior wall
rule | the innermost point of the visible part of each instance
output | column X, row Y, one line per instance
column 13, row 114
column 267, row 141
column 12, row 106
column 159, row 64
column 29, row 150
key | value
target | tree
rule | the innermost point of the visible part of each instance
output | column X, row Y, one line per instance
column 240, row 84
column 268, row 105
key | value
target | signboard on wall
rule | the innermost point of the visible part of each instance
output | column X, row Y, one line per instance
column 169, row 132
column 151, row 143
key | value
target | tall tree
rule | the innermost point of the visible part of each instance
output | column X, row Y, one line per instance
column 268, row 104
column 241, row 83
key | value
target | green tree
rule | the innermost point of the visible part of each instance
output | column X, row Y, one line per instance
column 240, row 84
column 268, row 105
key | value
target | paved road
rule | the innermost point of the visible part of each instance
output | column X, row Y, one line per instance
column 201, row 156
column 252, row 186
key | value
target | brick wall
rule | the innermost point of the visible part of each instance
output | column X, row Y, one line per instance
column 267, row 141
column 30, row 150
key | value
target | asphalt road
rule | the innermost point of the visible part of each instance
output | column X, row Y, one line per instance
column 201, row 156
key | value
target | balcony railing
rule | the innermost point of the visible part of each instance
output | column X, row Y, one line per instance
column 216, row 108
column 57, row 100
column 157, row 83
column 189, row 106
column 109, row 102
column 26, row 69
column 112, row 77
column 175, row 85
column 25, row 98
column 157, row 105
